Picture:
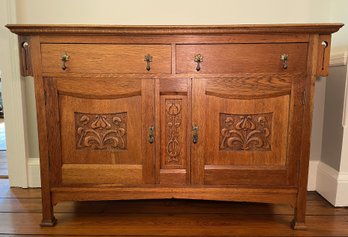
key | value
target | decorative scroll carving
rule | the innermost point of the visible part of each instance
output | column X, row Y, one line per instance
column 173, row 122
column 246, row 132
column 101, row 131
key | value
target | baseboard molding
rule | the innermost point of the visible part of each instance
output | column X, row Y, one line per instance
column 34, row 180
column 338, row 59
column 312, row 175
column 332, row 185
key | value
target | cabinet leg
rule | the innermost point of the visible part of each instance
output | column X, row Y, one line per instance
column 48, row 222
column 298, row 223
column 48, row 219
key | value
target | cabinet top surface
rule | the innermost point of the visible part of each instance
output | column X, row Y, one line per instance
column 41, row 29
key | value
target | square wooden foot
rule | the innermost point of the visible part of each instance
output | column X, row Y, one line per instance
column 49, row 223
column 298, row 225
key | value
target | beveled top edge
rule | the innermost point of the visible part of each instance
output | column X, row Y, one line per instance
column 73, row 29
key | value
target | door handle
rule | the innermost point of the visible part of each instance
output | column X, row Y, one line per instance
column 151, row 134
column 148, row 60
column 198, row 59
column 194, row 134
column 64, row 58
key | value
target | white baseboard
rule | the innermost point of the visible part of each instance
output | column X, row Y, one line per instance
column 332, row 185
column 338, row 59
column 312, row 175
column 34, row 180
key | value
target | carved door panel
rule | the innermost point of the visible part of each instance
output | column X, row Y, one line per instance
column 99, row 130
column 173, row 105
column 247, row 129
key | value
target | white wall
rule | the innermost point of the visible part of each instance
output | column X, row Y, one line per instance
column 179, row 12
column 13, row 95
column 338, row 13
column 332, row 175
column 172, row 12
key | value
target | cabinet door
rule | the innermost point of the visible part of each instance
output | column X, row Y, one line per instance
column 248, row 129
column 98, row 130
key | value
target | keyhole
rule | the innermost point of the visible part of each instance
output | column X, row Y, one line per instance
column 324, row 44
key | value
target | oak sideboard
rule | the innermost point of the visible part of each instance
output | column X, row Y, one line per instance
column 190, row 112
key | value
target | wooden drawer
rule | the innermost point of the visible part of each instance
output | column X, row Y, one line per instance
column 105, row 58
column 241, row 58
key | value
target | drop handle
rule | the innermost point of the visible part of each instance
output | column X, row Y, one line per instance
column 324, row 44
column 194, row 134
column 148, row 60
column 64, row 58
column 284, row 58
column 198, row 59
column 151, row 134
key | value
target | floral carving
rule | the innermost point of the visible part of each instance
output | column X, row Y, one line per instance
column 173, row 123
column 101, row 131
column 247, row 132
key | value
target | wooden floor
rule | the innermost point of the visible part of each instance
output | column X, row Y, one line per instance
column 3, row 165
column 20, row 214
column 3, row 158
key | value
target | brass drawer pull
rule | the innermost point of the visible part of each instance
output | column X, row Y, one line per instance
column 65, row 58
column 151, row 134
column 148, row 59
column 198, row 59
column 284, row 58
column 194, row 134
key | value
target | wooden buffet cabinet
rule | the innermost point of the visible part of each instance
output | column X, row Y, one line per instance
column 196, row 112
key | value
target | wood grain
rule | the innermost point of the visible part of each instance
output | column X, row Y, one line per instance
column 45, row 29
column 240, row 163
column 101, row 174
column 241, row 58
column 97, row 151
column 180, row 39
column 243, row 86
column 174, row 124
column 147, row 120
column 303, row 162
column 106, row 58
column 103, row 88
column 284, row 195
column 218, row 176
column 53, row 126
column 275, row 112
column 48, row 218
column 173, row 177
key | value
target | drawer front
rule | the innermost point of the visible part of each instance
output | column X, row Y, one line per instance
column 241, row 58
column 105, row 58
